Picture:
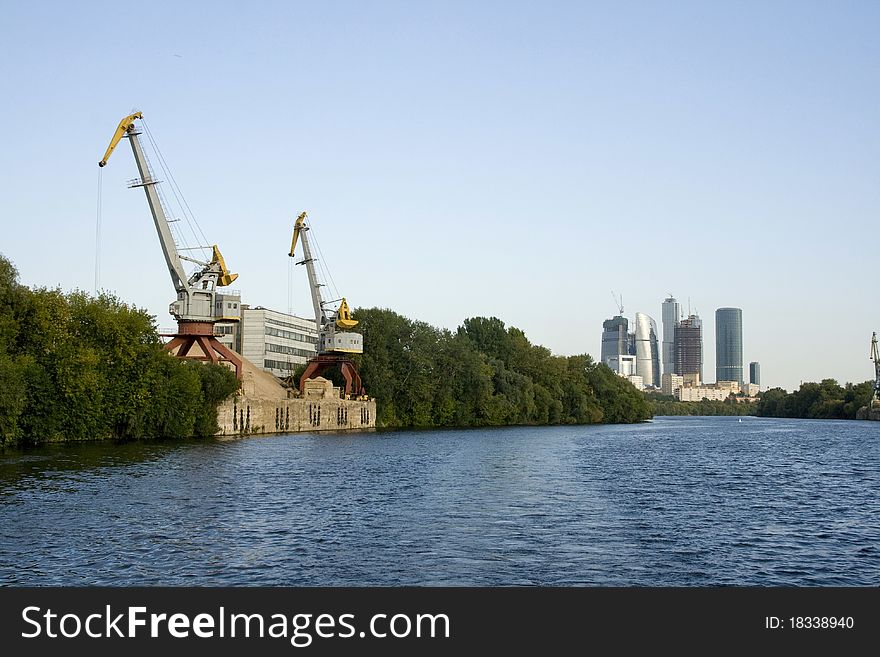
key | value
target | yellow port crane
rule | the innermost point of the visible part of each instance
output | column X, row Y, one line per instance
column 196, row 308
column 335, row 338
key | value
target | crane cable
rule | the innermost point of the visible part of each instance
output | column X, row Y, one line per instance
column 325, row 269
column 175, row 191
column 182, row 203
column 98, row 234
column 290, row 264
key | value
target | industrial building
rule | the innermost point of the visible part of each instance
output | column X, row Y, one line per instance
column 728, row 345
column 615, row 339
column 275, row 341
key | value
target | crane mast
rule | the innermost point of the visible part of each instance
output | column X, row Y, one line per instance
column 166, row 240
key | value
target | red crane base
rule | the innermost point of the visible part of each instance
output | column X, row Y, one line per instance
column 324, row 362
column 202, row 334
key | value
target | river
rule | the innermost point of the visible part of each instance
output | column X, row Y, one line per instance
column 692, row 501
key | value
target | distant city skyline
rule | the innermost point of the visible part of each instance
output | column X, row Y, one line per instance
column 463, row 160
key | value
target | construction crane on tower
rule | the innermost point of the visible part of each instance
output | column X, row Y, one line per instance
column 196, row 308
column 618, row 301
column 336, row 340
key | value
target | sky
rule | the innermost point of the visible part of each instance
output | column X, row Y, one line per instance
column 459, row 159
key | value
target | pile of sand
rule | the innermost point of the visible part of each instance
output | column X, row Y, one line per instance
column 259, row 383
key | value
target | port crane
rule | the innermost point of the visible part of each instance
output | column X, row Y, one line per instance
column 336, row 340
column 197, row 307
column 875, row 356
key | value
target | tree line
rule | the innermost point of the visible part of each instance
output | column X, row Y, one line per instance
column 668, row 405
column 77, row 367
column 483, row 374
column 826, row 400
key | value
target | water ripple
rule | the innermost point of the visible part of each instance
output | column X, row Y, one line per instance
column 679, row 501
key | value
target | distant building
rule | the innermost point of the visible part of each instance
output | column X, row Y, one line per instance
column 671, row 312
column 692, row 380
column 751, row 389
column 688, row 348
column 704, row 392
column 733, row 387
column 755, row 373
column 637, row 381
column 647, row 350
column 669, row 383
column 624, row 364
column 728, row 345
column 276, row 341
column 615, row 338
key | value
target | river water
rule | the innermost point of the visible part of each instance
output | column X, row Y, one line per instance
column 677, row 501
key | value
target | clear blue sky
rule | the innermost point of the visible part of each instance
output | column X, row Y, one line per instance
column 458, row 159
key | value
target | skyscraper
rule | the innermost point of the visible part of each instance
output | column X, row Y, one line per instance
column 670, row 316
column 688, row 347
column 755, row 373
column 615, row 339
column 728, row 345
column 647, row 350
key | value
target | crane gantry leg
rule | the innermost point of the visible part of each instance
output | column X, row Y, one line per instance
column 190, row 334
column 324, row 362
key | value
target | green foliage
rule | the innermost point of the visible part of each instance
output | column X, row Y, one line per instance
column 75, row 367
column 826, row 400
column 483, row 374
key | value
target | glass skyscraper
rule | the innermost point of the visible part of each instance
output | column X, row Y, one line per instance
column 728, row 345
column 755, row 373
column 671, row 315
column 615, row 338
column 647, row 350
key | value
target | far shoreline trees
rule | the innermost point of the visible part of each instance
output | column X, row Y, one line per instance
column 824, row 400
column 483, row 374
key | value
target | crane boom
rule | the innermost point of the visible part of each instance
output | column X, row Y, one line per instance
column 301, row 229
column 196, row 293
column 123, row 127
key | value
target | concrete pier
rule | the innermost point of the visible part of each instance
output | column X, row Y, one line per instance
column 264, row 406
